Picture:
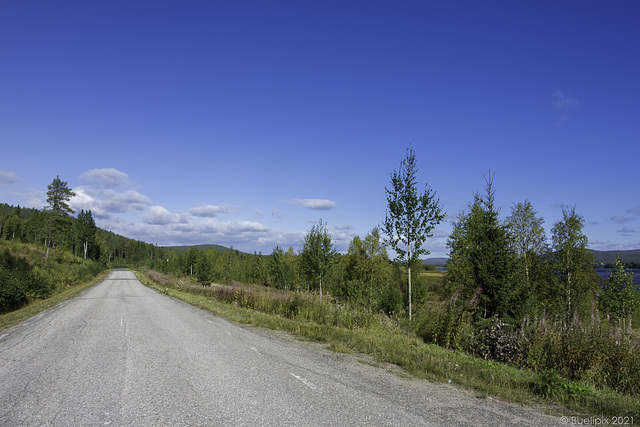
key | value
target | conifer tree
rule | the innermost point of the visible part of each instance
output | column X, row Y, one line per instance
column 58, row 196
column 482, row 260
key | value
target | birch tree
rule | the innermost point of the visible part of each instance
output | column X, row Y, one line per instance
column 527, row 232
column 411, row 216
column 318, row 253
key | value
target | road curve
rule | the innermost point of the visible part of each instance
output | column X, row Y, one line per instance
column 122, row 354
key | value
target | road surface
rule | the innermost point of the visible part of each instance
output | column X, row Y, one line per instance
column 122, row 354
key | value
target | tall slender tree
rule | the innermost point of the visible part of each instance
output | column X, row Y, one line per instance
column 86, row 230
column 318, row 253
column 572, row 261
column 527, row 232
column 411, row 216
column 619, row 296
column 58, row 225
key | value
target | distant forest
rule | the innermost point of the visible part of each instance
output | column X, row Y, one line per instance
column 43, row 227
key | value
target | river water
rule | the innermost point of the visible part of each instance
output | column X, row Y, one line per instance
column 604, row 273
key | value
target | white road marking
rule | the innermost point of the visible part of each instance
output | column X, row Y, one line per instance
column 304, row 381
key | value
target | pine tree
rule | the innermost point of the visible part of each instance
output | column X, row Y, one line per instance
column 58, row 226
column 58, row 195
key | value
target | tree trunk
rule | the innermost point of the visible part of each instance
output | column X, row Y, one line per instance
column 409, row 270
column 409, row 265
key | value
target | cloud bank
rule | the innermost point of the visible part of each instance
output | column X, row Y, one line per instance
column 316, row 204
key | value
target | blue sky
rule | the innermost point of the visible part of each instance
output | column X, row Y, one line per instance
column 242, row 123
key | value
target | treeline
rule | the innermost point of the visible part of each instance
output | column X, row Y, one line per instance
column 363, row 276
column 511, row 295
column 76, row 235
column 42, row 251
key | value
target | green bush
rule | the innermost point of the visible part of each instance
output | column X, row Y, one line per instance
column 495, row 340
column 12, row 291
column 390, row 301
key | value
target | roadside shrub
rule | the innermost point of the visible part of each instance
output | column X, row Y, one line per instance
column 19, row 281
column 390, row 301
column 495, row 340
column 440, row 323
column 12, row 291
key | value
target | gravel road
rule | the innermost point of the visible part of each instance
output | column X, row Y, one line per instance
column 122, row 354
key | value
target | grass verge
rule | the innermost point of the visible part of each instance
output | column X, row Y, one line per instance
column 39, row 305
column 387, row 342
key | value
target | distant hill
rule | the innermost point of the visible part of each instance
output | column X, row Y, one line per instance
column 436, row 261
column 609, row 257
column 218, row 248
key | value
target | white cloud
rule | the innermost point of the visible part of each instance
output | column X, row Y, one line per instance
column 8, row 177
column 158, row 215
column 108, row 177
column 105, row 202
column 210, row 211
column 316, row 204
column 563, row 102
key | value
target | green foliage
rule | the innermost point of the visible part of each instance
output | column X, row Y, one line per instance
column 495, row 340
column 527, row 233
column 19, row 281
column 552, row 385
column 410, row 217
column 483, row 261
column 390, row 301
column 593, row 353
column 619, row 297
column 278, row 269
column 318, row 255
column 366, row 272
column 58, row 196
column 573, row 264
column 86, row 229
column 25, row 275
